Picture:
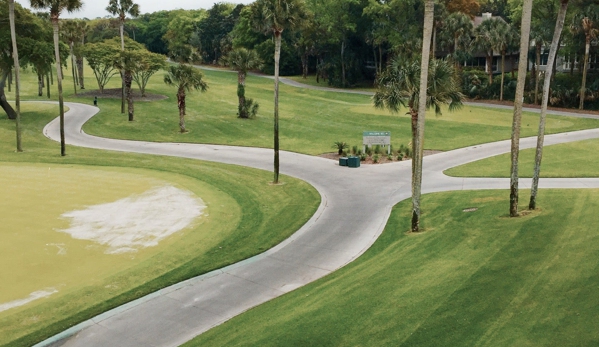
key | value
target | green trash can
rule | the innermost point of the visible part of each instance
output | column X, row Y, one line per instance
column 343, row 161
column 353, row 162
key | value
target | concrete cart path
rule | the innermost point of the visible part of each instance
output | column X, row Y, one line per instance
column 356, row 204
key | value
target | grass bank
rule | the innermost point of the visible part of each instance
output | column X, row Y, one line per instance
column 254, row 216
column 472, row 279
column 575, row 159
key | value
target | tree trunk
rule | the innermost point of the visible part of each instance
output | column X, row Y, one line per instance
column 343, row 63
column 538, row 71
column 583, row 86
column 380, row 69
column 181, row 105
column 559, row 25
column 417, row 148
column 59, row 84
column 502, row 74
column 305, row 65
column 48, row 85
column 241, row 94
column 490, row 68
column 15, row 54
column 121, row 28
column 40, row 84
column 515, row 146
column 73, row 68
column 129, row 93
column 79, row 62
column 10, row 112
column 512, row 63
column 276, row 124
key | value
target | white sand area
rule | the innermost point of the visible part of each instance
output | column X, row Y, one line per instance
column 138, row 221
column 33, row 296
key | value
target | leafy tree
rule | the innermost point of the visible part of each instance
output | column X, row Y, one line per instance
column 515, row 138
column 457, row 34
column 82, row 27
column 243, row 60
column 468, row 7
column 146, row 66
column 122, row 8
column 214, row 28
column 399, row 86
column 179, row 34
column 559, row 26
column 15, row 54
column 56, row 7
column 100, row 58
column 185, row 78
column 274, row 16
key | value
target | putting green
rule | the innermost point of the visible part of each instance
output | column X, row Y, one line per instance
column 46, row 263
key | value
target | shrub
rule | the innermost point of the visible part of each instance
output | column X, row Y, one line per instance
column 375, row 159
column 354, row 150
column 389, row 157
column 340, row 146
column 363, row 157
column 377, row 149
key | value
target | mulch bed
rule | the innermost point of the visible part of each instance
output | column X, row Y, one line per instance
column 382, row 157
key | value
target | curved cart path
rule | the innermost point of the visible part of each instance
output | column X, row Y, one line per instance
column 355, row 206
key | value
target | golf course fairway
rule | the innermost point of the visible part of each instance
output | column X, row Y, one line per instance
column 69, row 228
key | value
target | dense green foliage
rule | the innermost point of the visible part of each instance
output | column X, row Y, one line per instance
column 472, row 279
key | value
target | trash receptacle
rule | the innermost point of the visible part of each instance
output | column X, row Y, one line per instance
column 343, row 161
column 353, row 162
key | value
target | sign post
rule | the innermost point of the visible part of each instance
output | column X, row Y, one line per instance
column 370, row 138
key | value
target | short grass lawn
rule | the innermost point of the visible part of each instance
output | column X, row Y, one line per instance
column 310, row 120
column 574, row 159
column 245, row 215
column 472, row 279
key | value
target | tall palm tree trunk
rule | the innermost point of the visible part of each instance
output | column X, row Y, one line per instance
column 122, row 29
column 48, row 84
column 129, row 93
column 490, row 67
column 583, row 86
column 502, row 74
column 559, row 26
column 538, row 71
column 40, row 84
column 429, row 11
column 276, row 125
column 59, row 84
column 73, row 68
column 79, row 62
column 515, row 147
column 241, row 94
column 15, row 54
column 181, row 105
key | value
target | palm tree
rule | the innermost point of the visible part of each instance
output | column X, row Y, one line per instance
column 185, row 78
column 15, row 54
column 459, row 25
column 524, row 44
column 399, row 86
column 501, row 39
column 274, row 16
column 559, row 26
column 70, row 33
column 122, row 8
column 56, row 7
column 586, row 23
column 483, row 41
column 242, row 60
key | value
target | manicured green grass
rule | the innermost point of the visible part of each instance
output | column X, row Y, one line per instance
column 575, row 159
column 311, row 80
column 247, row 216
column 310, row 121
column 472, row 279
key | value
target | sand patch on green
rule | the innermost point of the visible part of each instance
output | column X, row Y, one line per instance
column 68, row 227
column 138, row 221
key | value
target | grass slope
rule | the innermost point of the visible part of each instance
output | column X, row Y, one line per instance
column 265, row 215
column 476, row 278
column 310, row 121
column 575, row 159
